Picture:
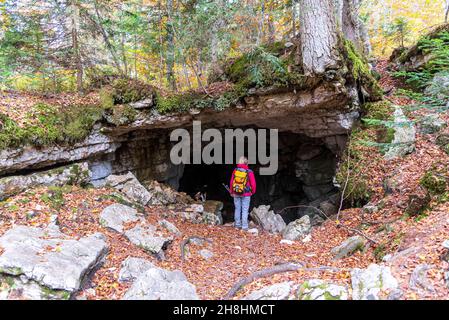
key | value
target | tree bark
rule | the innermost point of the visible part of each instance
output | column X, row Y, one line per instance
column 319, row 36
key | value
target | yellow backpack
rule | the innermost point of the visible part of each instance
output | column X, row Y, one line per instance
column 240, row 180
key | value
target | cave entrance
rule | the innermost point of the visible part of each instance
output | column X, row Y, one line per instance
column 305, row 176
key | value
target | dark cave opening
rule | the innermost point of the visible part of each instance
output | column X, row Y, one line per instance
column 305, row 176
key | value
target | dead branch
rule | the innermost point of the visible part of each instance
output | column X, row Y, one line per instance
column 187, row 241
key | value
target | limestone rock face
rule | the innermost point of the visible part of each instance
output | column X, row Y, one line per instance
column 46, row 264
column 28, row 157
column 316, row 289
column 348, row 247
column 297, row 229
column 130, row 186
column 267, row 219
column 74, row 174
column 367, row 283
column 404, row 136
column 278, row 291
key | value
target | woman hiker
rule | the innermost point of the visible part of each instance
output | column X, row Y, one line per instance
column 243, row 186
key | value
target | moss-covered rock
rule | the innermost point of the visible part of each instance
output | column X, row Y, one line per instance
column 353, row 172
column 316, row 289
column 128, row 90
column 361, row 71
column 49, row 125
column 121, row 115
column 435, row 181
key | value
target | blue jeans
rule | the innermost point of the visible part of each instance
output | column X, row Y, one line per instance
column 241, row 211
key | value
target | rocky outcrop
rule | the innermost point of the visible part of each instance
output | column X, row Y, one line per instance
column 404, row 136
column 368, row 283
column 153, row 283
column 29, row 157
column 278, row 291
column 267, row 219
column 74, row 174
column 41, row 263
column 316, row 289
column 297, row 229
column 130, row 186
column 143, row 235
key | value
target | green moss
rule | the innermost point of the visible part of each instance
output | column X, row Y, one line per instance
column 358, row 190
column 380, row 252
column 107, row 97
column 77, row 175
column 49, row 126
column 15, row 271
column 48, row 293
column 361, row 71
column 122, row 115
column 380, row 110
column 434, row 181
column 54, row 197
column 264, row 67
column 127, row 90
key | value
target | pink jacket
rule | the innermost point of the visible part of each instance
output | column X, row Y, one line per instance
column 251, row 181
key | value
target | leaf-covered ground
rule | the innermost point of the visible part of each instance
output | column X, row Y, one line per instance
column 238, row 254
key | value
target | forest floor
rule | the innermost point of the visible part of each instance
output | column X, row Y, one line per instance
column 238, row 254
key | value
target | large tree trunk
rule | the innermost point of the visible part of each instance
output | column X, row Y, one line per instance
column 319, row 36
column 354, row 29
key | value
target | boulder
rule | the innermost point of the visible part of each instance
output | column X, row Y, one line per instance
column 170, row 227
column 370, row 208
column 316, row 289
column 130, row 186
column 368, row 283
column 160, row 284
column 348, row 247
column 297, row 229
column 418, row 202
column 38, row 263
column 431, row 124
column 133, row 267
column 404, row 136
column 142, row 104
column 278, row 291
column 267, row 219
column 145, row 237
column 116, row 215
column 76, row 174
column 212, row 212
